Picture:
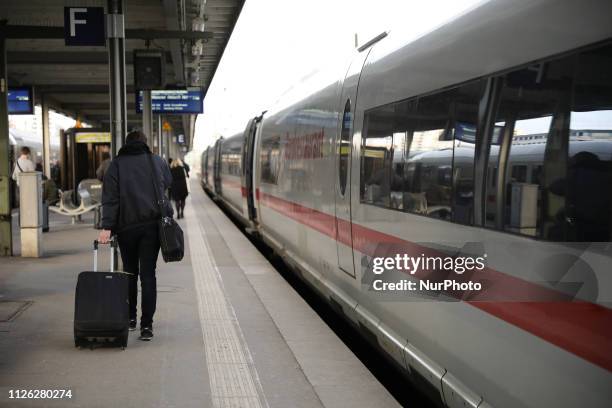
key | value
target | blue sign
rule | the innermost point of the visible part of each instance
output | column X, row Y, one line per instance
column 84, row 26
column 465, row 131
column 20, row 101
column 178, row 101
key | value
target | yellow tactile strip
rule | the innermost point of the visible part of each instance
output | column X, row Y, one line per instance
column 233, row 377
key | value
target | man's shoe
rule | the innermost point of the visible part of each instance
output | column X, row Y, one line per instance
column 146, row 334
column 132, row 324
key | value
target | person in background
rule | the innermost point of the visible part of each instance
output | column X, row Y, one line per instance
column 23, row 163
column 39, row 165
column 50, row 191
column 103, row 167
column 179, row 186
column 55, row 172
column 131, row 211
column 170, row 188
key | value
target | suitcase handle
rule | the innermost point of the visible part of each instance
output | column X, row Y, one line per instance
column 113, row 248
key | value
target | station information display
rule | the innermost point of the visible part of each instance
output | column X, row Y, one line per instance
column 20, row 101
column 174, row 101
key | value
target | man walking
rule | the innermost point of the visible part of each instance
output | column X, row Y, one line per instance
column 130, row 210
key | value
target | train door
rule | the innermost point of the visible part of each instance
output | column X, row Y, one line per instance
column 249, row 162
column 344, row 148
column 204, row 167
column 217, row 167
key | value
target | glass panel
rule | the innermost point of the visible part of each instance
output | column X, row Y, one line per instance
column 588, row 188
column 533, row 105
column 376, row 156
column 230, row 158
column 464, row 111
column 410, row 148
column 270, row 159
column 345, row 146
column 376, row 159
column 396, row 184
column 429, row 166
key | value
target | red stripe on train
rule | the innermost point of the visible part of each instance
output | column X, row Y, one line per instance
column 235, row 185
column 581, row 328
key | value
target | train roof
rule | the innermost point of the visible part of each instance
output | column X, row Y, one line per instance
column 493, row 37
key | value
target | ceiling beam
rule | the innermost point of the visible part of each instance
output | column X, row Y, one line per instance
column 75, row 88
column 47, row 32
column 66, row 57
column 91, row 106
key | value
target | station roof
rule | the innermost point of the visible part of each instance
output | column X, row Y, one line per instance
column 75, row 79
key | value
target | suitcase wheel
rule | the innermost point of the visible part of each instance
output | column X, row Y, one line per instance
column 78, row 343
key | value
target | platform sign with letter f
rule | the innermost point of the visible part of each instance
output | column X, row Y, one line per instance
column 84, row 26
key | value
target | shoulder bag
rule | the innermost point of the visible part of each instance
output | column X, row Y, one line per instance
column 170, row 233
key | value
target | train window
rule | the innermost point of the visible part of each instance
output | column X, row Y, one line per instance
column 430, row 158
column 231, row 157
column 550, row 160
column 588, row 185
column 532, row 104
column 270, row 159
column 464, row 116
column 556, row 167
column 345, row 146
column 383, row 153
column 418, row 155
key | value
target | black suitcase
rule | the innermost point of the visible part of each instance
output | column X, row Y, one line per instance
column 101, row 309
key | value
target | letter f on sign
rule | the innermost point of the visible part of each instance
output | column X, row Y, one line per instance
column 74, row 21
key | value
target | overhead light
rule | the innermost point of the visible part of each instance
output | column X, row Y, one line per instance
column 195, row 77
column 198, row 24
column 197, row 49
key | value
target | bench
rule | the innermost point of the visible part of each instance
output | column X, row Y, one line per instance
column 87, row 201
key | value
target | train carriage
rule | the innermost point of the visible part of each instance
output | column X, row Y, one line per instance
column 490, row 136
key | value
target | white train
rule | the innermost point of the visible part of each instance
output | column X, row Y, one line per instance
column 489, row 137
column 19, row 138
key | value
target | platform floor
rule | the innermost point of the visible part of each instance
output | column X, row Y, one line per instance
column 229, row 331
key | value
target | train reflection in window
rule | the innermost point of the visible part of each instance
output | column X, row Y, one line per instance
column 270, row 159
column 549, row 171
column 418, row 155
column 556, row 179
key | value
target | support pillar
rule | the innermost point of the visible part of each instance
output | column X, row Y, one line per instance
column 167, row 135
column 160, row 137
column 31, row 214
column 6, row 232
column 46, row 137
column 115, row 30
column 147, row 114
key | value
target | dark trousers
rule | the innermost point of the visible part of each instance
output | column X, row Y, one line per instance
column 139, row 249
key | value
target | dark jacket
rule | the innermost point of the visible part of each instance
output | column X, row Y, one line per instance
column 178, row 189
column 128, row 197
